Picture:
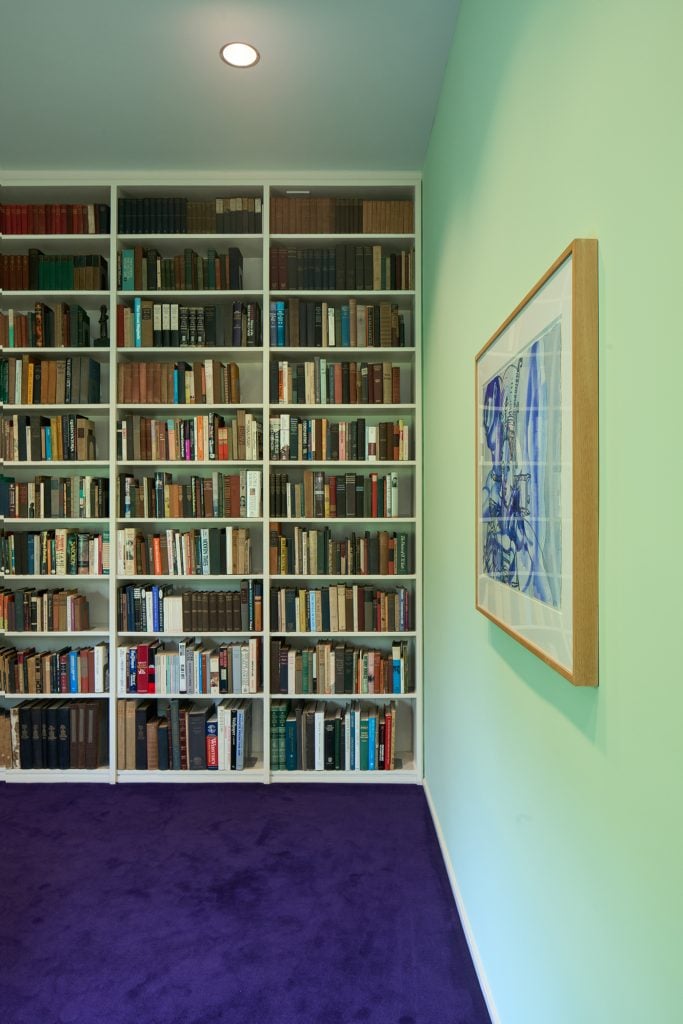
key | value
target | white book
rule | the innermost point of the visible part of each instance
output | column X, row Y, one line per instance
column 253, row 493
column 101, row 659
column 319, row 737
column 121, row 666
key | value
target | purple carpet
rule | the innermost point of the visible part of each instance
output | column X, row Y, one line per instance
column 195, row 904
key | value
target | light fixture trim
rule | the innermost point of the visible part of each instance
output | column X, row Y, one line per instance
column 239, row 55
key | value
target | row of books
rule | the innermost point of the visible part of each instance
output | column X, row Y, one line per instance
column 341, row 268
column 202, row 552
column 68, row 670
column 339, row 668
column 35, row 271
column 139, row 269
column 317, row 552
column 54, row 219
column 33, row 381
column 326, row 496
column 294, row 438
column 178, row 215
column 33, row 438
column 218, row 495
column 149, row 324
column 55, row 735
column 297, row 323
column 65, row 326
column 43, row 611
column 190, row 667
column 201, row 438
column 320, row 381
column 44, row 497
column 60, row 552
column 340, row 214
column 205, row 382
column 321, row 736
column 183, row 735
column 340, row 609
column 159, row 609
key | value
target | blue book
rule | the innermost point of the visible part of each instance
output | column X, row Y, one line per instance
column 273, row 325
column 396, row 671
column 72, row 661
column 290, row 742
column 128, row 270
column 352, row 741
column 280, row 323
column 211, row 731
column 137, row 321
column 156, row 610
column 345, row 327
column 132, row 670
column 372, row 740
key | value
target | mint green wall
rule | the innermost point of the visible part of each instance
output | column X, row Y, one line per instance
column 561, row 808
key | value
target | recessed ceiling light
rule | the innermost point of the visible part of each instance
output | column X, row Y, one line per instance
column 240, row 55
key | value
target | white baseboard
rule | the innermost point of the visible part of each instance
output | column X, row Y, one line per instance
column 457, row 895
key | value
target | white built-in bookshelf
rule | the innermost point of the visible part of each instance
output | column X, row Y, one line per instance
column 211, row 479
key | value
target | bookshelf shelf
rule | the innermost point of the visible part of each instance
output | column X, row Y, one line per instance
column 191, row 407
column 57, row 351
column 246, row 775
column 53, row 521
column 339, row 293
column 55, row 577
column 193, row 696
column 88, row 634
column 44, row 326
column 377, row 409
column 75, row 407
column 103, row 774
column 234, row 634
column 198, row 520
column 343, row 521
column 235, row 577
column 180, row 463
column 396, row 776
column 210, row 294
column 56, row 696
column 243, row 353
column 334, row 463
column 54, row 295
column 364, row 635
column 48, row 464
column 372, row 352
column 343, row 697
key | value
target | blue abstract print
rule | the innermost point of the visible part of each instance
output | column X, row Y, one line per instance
column 522, row 528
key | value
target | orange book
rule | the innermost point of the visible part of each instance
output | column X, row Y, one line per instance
column 156, row 556
column 199, row 422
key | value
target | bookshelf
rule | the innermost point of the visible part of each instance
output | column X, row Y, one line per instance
column 211, row 478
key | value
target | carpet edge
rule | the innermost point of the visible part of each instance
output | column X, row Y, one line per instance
column 464, row 919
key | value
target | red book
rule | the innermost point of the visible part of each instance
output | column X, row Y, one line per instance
column 234, row 495
column 142, row 675
column 388, row 739
column 120, row 326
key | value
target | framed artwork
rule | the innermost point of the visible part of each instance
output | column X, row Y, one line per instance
column 537, row 468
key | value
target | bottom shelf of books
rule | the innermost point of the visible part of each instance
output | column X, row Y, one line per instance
column 163, row 737
column 324, row 739
column 44, row 739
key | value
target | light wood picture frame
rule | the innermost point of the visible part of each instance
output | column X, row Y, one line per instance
column 537, row 468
